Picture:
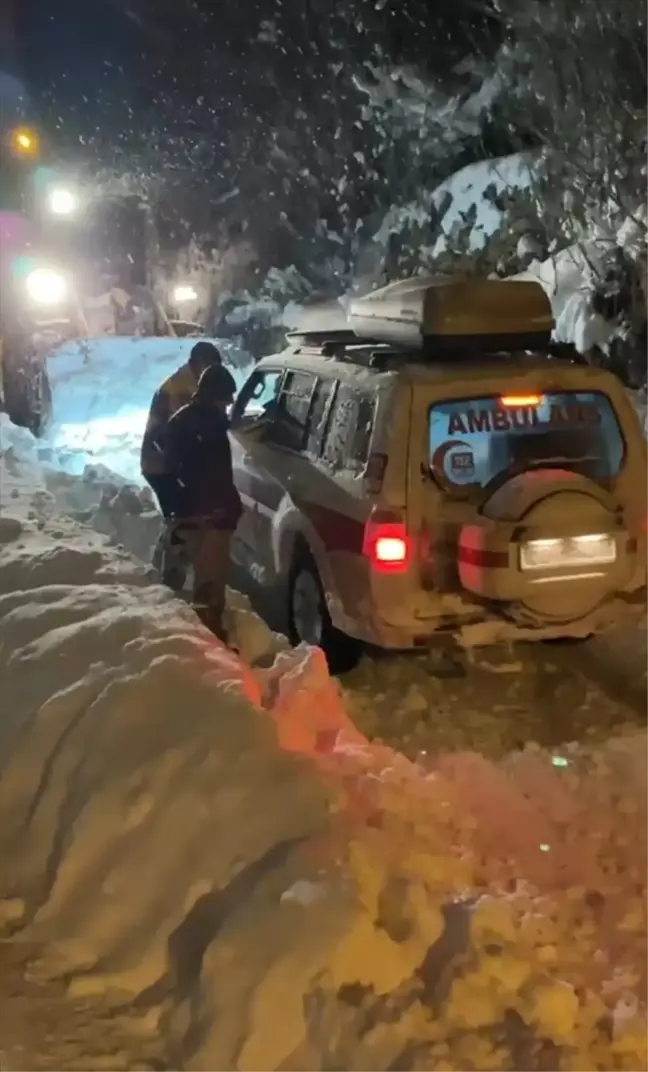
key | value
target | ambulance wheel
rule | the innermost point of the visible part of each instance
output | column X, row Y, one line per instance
column 309, row 621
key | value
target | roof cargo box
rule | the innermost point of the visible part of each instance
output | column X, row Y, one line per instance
column 442, row 315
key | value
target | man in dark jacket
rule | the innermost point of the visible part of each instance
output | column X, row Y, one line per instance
column 175, row 392
column 206, row 504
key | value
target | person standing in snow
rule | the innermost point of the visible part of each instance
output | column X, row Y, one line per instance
column 174, row 393
column 206, row 504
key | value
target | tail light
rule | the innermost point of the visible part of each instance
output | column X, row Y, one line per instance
column 387, row 545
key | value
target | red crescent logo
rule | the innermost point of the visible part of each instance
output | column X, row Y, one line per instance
column 441, row 453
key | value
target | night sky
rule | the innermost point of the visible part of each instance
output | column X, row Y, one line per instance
column 82, row 65
column 256, row 97
column 120, row 65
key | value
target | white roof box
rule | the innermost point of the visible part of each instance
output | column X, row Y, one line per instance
column 443, row 314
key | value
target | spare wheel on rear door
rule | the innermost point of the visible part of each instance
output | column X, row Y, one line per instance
column 552, row 546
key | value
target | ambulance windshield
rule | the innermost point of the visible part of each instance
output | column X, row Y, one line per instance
column 474, row 441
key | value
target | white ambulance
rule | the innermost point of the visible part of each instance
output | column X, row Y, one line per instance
column 435, row 467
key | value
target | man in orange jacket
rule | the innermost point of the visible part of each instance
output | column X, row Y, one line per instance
column 175, row 392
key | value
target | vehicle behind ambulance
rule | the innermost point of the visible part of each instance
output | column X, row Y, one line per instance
column 436, row 467
column 39, row 305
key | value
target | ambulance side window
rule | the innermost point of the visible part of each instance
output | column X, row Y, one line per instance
column 350, row 428
column 257, row 397
column 293, row 406
column 319, row 417
column 365, row 415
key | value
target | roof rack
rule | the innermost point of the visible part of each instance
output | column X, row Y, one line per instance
column 318, row 338
column 437, row 320
column 346, row 346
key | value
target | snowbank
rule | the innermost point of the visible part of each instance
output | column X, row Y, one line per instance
column 219, row 840
column 142, row 792
column 102, row 391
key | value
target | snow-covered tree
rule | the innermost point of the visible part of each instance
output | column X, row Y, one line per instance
column 577, row 77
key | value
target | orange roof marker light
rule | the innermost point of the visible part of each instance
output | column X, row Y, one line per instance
column 25, row 142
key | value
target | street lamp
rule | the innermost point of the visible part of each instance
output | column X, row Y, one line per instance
column 24, row 143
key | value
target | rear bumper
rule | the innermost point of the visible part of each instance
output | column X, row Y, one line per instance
column 485, row 627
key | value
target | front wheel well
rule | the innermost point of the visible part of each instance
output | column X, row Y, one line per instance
column 342, row 652
column 301, row 552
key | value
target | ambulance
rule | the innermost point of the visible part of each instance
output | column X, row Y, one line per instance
column 440, row 466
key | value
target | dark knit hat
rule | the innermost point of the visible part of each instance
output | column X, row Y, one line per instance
column 216, row 385
column 204, row 354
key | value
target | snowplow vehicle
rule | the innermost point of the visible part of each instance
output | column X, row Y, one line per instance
column 441, row 466
column 38, row 303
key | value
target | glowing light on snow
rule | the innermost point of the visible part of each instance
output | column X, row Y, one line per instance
column 112, row 441
column 97, row 433
column 102, row 392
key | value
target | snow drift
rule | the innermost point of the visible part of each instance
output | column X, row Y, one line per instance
column 214, row 837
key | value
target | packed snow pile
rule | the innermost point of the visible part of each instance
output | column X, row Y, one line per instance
column 215, row 836
column 102, row 390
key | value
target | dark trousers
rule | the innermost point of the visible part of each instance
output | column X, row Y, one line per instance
column 198, row 544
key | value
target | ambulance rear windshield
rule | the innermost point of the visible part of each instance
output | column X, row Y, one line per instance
column 475, row 441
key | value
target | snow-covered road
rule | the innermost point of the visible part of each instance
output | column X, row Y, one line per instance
column 497, row 702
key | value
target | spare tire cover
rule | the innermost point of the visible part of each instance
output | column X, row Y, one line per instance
column 559, row 502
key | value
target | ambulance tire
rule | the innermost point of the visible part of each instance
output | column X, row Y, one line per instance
column 305, row 587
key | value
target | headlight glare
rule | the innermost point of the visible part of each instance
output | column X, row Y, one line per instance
column 62, row 202
column 46, row 286
column 184, row 292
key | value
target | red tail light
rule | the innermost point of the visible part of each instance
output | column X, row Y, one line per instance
column 387, row 546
